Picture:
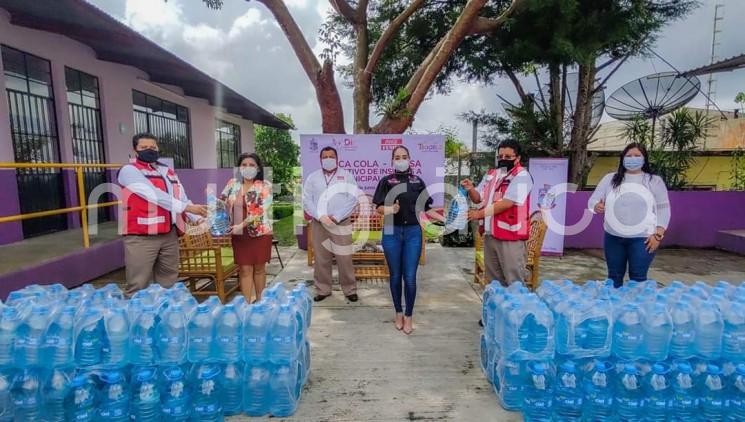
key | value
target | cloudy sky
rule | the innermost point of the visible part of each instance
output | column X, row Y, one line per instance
column 243, row 47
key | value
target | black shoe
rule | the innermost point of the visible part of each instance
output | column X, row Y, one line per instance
column 481, row 323
column 353, row 297
column 319, row 298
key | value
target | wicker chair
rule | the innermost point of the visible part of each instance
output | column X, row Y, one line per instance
column 205, row 257
column 533, row 245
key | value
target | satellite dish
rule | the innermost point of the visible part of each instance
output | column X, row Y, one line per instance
column 652, row 96
column 598, row 100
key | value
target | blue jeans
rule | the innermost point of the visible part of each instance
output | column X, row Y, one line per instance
column 402, row 249
column 623, row 251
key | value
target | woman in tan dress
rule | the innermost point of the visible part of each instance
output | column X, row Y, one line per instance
column 248, row 199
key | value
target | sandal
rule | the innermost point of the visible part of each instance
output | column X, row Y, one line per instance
column 399, row 323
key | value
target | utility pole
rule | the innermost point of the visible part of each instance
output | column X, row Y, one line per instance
column 712, row 82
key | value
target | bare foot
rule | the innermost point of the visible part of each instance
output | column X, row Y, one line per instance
column 399, row 322
column 408, row 325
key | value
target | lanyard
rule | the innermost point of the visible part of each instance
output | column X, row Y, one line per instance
column 327, row 179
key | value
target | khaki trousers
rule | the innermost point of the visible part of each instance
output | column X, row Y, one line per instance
column 505, row 260
column 330, row 242
column 151, row 258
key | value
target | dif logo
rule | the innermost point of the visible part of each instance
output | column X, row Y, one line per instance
column 429, row 147
column 389, row 144
column 347, row 144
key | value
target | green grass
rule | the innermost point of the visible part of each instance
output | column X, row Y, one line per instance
column 284, row 231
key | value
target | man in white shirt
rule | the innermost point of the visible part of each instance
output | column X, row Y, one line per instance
column 154, row 204
column 330, row 198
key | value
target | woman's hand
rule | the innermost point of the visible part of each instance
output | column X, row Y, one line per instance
column 600, row 207
column 467, row 184
column 652, row 244
column 393, row 209
column 237, row 229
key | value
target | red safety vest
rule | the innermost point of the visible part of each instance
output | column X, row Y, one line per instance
column 142, row 217
column 512, row 223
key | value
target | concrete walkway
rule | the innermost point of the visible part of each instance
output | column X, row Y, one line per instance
column 363, row 369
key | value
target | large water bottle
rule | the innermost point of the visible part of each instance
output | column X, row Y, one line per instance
column 529, row 329
column 538, row 397
column 174, row 395
column 736, row 395
column 711, row 393
column 598, row 392
column 658, row 330
column 283, row 336
column 81, row 399
column 171, row 334
column 629, row 394
column 113, row 397
column 232, row 384
column 29, row 337
column 709, row 329
column 733, row 338
column 488, row 306
column 10, row 319
column 255, row 332
column 302, row 291
column 628, row 333
column 304, row 362
column 227, row 334
column 568, row 393
column 145, row 402
column 57, row 349
column 142, row 345
column 486, row 351
column 685, row 397
column 88, row 334
column 511, row 381
column 200, row 334
column 282, row 390
column 54, row 393
column 256, row 389
column 116, row 335
column 682, row 341
column 26, row 394
column 6, row 400
column 659, row 393
column 207, row 392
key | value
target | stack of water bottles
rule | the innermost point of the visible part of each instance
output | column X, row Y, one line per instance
column 90, row 355
column 637, row 353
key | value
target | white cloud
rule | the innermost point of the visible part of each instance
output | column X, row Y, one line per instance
column 249, row 19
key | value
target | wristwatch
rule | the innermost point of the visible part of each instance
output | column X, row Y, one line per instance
column 659, row 236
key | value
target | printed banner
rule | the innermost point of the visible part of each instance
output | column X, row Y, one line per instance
column 547, row 173
column 368, row 157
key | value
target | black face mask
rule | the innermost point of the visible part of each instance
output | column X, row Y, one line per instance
column 507, row 164
column 148, row 155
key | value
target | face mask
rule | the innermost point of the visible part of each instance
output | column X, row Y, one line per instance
column 148, row 155
column 506, row 164
column 249, row 172
column 633, row 163
column 328, row 164
column 401, row 165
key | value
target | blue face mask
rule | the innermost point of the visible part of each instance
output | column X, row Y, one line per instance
column 633, row 163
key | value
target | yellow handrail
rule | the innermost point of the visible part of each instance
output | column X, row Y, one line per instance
column 82, row 208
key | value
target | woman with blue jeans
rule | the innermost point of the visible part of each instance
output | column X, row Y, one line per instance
column 397, row 196
column 636, row 211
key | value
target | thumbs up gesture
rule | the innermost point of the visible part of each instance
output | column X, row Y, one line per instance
column 396, row 207
column 600, row 207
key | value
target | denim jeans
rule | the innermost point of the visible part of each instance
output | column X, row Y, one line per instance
column 402, row 249
column 621, row 252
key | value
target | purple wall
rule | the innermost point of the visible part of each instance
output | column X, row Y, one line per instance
column 9, row 232
column 696, row 219
column 195, row 182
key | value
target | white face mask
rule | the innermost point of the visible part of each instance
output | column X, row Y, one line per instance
column 401, row 165
column 249, row 172
column 328, row 164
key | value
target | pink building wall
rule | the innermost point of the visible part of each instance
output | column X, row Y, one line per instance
column 116, row 83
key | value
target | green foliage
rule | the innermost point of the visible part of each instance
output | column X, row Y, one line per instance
column 395, row 107
column 454, row 147
column 740, row 99
column 737, row 175
column 284, row 231
column 278, row 151
column 673, row 145
column 282, row 210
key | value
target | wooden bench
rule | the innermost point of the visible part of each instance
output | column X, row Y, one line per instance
column 533, row 245
column 206, row 257
column 367, row 226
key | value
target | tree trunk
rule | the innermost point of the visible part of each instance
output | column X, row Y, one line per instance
column 361, row 93
column 332, row 113
column 579, row 161
column 556, row 112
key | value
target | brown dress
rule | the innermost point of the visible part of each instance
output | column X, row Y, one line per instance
column 247, row 249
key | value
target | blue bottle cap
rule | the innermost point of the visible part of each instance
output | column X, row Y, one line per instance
column 173, row 373
column 630, row 369
column 683, row 367
column 569, row 366
column 144, row 374
column 112, row 377
column 79, row 380
column 208, row 371
column 537, row 368
column 202, row 308
column 660, row 368
column 713, row 369
column 740, row 369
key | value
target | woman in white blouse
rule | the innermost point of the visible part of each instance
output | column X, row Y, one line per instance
column 636, row 212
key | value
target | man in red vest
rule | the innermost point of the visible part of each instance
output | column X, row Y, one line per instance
column 504, row 199
column 154, row 204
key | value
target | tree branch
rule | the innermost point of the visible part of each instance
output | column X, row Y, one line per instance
column 486, row 25
column 516, row 82
column 343, row 8
column 389, row 33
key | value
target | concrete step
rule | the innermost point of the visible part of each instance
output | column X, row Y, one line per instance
column 731, row 240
